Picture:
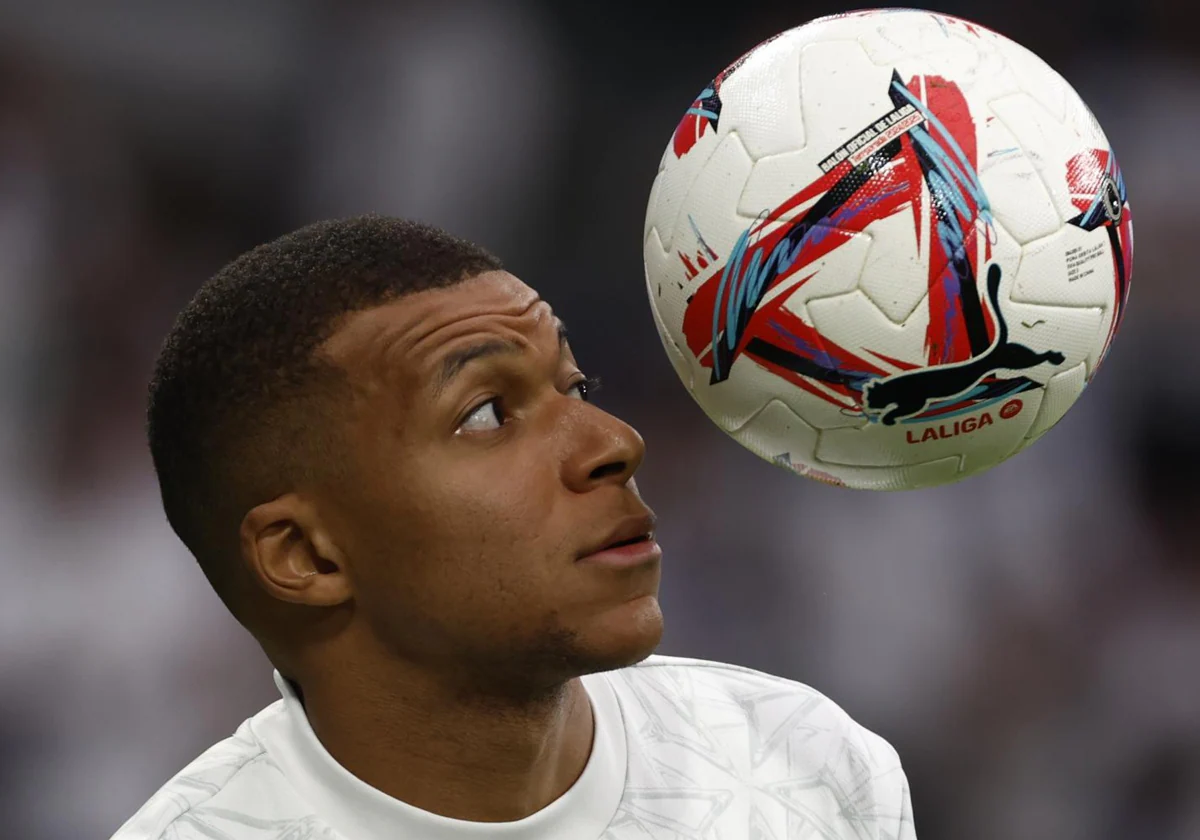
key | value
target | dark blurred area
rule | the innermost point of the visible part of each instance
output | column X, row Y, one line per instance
column 1029, row 639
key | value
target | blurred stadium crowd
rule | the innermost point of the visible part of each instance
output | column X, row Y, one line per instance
column 1029, row 639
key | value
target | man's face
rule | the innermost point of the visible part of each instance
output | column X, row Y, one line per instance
column 477, row 477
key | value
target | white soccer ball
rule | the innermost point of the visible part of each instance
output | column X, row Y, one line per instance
column 887, row 249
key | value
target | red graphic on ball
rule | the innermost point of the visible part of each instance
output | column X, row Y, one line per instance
column 1011, row 409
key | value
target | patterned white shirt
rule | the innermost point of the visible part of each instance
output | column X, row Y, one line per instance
column 683, row 748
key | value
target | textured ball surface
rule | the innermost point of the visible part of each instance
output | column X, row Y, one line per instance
column 887, row 249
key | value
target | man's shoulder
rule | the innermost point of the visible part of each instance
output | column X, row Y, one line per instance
column 228, row 790
column 677, row 666
column 703, row 681
column 721, row 691
column 721, row 722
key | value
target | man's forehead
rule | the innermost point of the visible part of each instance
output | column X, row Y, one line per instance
column 419, row 322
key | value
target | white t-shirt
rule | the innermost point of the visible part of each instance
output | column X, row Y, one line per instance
column 682, row 748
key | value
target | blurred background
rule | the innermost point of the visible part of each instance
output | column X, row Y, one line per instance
column 1029, row 639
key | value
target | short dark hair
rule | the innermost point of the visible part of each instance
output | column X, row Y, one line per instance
column 238, row 394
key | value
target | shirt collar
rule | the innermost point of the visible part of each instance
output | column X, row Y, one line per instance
column 360, row 812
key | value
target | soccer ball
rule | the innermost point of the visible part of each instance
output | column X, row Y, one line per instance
column 887, row 249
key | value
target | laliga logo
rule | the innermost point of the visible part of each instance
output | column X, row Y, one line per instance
column 964, row 427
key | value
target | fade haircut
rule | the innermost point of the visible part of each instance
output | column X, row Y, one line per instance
column 241, row 407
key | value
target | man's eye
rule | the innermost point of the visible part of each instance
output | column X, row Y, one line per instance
column 483, row 419
column 585, row 388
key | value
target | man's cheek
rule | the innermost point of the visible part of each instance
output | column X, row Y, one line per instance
column 500, row 496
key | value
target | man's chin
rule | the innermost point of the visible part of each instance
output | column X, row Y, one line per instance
column 620, row 637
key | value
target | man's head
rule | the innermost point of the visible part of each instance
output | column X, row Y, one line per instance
column 377, row 443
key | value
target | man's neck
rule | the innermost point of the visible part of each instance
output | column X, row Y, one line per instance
column 472, row 758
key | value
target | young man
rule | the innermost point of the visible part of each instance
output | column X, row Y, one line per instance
column 379, row 447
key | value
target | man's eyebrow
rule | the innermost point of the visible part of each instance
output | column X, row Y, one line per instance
column 454, row 362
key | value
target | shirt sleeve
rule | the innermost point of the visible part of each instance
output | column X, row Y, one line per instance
column 893, row 798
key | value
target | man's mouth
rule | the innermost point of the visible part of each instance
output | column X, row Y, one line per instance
column 629, row 542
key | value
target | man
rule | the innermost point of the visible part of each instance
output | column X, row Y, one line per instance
column 379, row 447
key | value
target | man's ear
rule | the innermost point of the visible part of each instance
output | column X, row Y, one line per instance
column 291, row 555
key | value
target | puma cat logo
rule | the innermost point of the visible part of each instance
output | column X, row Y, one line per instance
column 906, row 394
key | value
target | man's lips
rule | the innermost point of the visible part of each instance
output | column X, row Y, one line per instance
column 629, row 543
column 625, row 556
